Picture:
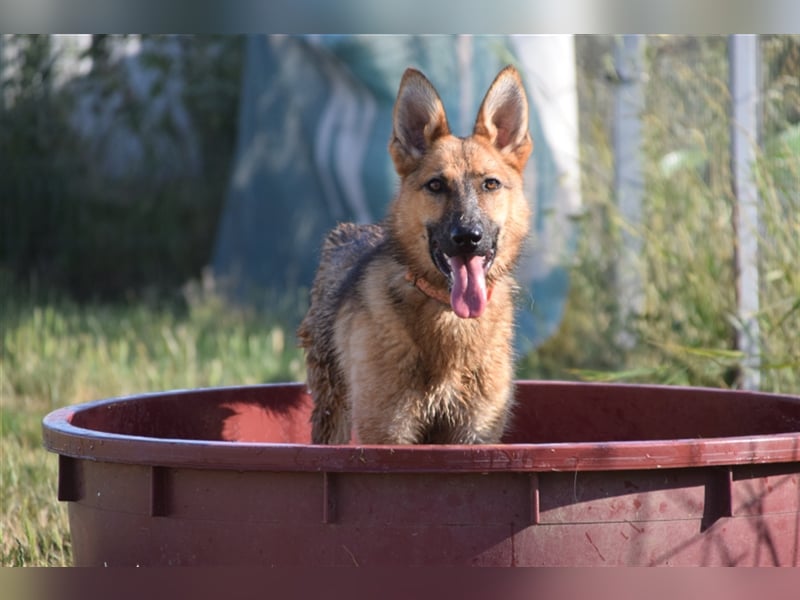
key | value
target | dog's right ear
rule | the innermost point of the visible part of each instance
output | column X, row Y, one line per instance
column 418, row 120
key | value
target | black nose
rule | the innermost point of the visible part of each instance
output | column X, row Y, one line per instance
column 466, row 237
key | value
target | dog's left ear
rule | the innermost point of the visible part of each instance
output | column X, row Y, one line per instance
column 503, row 118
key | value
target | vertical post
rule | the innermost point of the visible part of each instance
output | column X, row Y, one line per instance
column 629, row 180
column 743, row 58
column 466, row 95
column 2, row 70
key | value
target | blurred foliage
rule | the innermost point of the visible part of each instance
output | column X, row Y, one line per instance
column 686, row 333
column 68, row 226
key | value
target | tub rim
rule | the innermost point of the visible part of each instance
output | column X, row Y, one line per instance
column 60, row 436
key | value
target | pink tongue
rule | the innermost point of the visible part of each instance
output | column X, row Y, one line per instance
column 468, row 296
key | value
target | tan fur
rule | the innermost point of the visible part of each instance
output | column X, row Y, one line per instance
column 388, row 363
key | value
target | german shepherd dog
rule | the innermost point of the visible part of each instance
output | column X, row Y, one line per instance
column 409, row 330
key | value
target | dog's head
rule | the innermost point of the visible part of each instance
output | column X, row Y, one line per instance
column 461, row 215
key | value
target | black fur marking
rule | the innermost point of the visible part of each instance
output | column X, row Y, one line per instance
column 396, row 297
column 367, row 250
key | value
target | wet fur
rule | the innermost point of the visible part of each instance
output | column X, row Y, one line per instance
column 386, row 362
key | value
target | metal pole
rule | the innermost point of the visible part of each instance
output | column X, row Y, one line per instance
column 629, row 179
column 744, row 70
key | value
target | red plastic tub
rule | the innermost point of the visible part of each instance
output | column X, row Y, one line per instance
column 590, row 474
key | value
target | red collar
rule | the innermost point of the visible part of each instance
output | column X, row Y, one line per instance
column 427, row 288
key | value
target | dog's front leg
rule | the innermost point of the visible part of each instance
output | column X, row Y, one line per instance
column 386, row 417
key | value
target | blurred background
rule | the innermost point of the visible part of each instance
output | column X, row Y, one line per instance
column 163, row 199
column 191, row 174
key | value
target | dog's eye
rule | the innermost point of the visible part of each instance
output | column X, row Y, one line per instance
column 435, row 185
column 491, row 184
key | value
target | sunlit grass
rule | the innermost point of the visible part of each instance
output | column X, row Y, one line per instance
column 56, row 353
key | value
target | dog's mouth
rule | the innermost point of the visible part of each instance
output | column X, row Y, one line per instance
column 466, row 278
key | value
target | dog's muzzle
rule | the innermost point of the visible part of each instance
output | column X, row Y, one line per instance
column 464, row 253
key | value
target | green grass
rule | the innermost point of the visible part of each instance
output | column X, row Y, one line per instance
column 56, row 353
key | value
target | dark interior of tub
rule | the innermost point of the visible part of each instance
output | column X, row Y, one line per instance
column 546, row 412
